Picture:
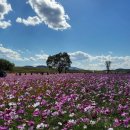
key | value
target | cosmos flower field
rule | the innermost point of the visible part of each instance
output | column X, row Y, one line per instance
column 65, row 102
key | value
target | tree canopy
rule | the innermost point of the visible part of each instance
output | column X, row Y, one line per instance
column 60, row 61
column 6, row 65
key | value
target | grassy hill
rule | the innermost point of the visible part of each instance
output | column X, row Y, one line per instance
column 31, row 70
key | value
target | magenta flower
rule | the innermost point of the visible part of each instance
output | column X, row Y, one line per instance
column 36, row 112
column 3, row 128
column 117, row 123
column 30, row 123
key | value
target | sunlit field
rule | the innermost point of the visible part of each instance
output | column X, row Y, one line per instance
column 65, row 102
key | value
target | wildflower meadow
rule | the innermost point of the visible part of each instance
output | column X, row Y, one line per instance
column 65, row 102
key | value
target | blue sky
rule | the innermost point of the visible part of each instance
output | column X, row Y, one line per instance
column 96, row 30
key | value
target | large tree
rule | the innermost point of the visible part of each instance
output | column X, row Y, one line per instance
column 60, row 61
column 6, row 65
column 108, row 65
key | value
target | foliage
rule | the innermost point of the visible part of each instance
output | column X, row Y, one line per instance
column 60, row 61
column 6, row 65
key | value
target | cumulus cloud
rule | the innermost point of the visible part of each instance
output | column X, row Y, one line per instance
column 48, row 12
column 5, row 8
column 9, row 53
column 87, row 61
column 79, row 59
column 91, row 62
column 30, row 21
column 5, row 24
column 79, row 55
column 18, row 55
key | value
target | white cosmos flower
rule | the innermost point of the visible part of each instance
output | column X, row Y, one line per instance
column 11, row 96
column 59, row 123
column 12, row 104
column 41, row 126
column 36, row 104
column 71, row 115
column 110, row 129
column 92, row 122
column 85, row 127
column 71, row 121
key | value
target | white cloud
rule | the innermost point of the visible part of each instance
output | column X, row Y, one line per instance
column 18, row 55
column 30, row 21
column 41, row 56
column 9, row 53
column 79, row 59
column 5, row 24
column 5, row 8
column 86, row 61
column 48, row 12
column 79, row 55
column 31, row 59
